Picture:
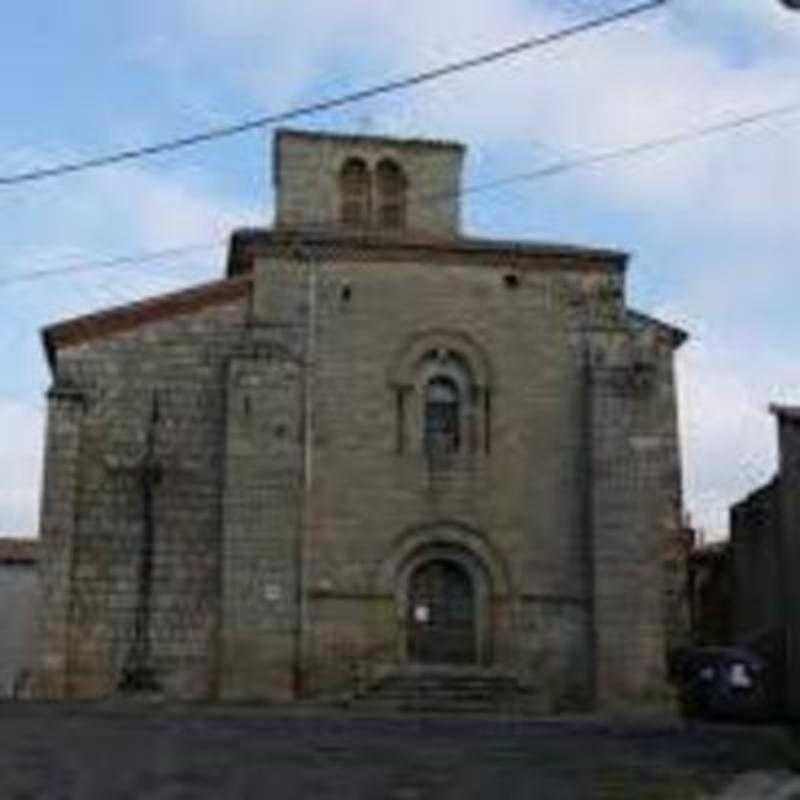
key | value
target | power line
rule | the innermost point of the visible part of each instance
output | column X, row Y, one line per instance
column 550, row 170
column 132, row 260
column 327, row 105
column 659, row 143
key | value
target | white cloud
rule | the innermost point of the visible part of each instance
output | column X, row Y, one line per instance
column 630, row 82
column 727, row 435
column 723, row 209
column 727, row 378
column 120, row 211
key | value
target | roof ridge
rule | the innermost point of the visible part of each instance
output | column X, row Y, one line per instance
column 117, row 319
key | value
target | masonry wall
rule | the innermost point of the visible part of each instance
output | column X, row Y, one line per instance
column 19, row 601
column 307, row 179
column 262, row 523
column 92, row 583
column 295, row 489
column 522, row 497
column 789, row 504
column 635, row 507
column 755, row 560
column 57, row 526
column 678, row 590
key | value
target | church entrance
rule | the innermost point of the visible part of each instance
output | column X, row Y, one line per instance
column 441, row 614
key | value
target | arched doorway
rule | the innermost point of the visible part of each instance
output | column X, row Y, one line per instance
column 441, row 619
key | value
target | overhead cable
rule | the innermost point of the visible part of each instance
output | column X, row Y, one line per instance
column 65, row 168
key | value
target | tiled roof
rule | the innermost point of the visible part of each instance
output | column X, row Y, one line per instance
column 122, row 318
column 678, row 335
column 18, row 551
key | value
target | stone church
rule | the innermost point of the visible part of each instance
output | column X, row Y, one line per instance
column 375, row 445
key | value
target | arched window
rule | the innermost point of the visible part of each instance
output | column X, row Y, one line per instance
column 441, row 381
column 442, row 416
column 390, row 182
column 354, row 192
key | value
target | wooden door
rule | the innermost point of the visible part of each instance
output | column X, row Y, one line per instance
column 441, row 614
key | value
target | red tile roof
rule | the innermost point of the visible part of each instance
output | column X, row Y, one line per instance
column 122, row 318
column 18, row 551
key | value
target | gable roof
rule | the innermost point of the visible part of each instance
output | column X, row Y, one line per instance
column 90, row 327
column 18, row 551
column 678, row 335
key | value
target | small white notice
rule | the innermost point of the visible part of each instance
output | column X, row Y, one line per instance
column 422, row 614
column 272, row 593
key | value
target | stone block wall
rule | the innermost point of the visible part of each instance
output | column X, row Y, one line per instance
column 19, row 603
column 523, row 497
column 262, row 542
column 93, row 514
column 306, row 173
column 292, row 490
column 756, row 590
column 635, row 507
column 678, row 591
column 519, row 489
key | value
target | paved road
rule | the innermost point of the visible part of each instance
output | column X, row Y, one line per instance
column 76, row 752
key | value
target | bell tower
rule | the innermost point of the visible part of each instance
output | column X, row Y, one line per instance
column 367, row 184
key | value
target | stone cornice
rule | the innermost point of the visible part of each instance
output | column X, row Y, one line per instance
column 337, row 245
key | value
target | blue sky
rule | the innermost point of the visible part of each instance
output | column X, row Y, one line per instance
column 711, row 225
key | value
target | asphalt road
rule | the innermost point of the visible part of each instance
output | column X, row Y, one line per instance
column 156, row 753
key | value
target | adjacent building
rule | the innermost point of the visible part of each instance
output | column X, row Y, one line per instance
column 764, row 571
column 19, row 605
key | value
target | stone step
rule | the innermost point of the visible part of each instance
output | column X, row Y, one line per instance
column 449, row 708
column 446, row 690
column 437, row 680
column 456, row 691
column 437, row 685
column 443, row 694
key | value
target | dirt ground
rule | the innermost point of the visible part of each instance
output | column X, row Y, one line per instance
column 171, row 753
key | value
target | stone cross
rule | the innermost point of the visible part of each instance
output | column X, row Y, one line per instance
column 137, row 672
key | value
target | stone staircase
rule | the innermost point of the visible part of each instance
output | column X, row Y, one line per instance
column 445, row 689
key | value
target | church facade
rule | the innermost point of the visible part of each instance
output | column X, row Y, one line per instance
column 375, row 443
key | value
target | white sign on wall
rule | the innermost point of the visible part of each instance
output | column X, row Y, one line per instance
column 272, row 592
column 422, row 614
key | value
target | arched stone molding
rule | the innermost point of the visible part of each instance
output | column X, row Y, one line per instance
column 375, row 197
column 404, row 366
column 445, row 353
column 481, row 593
column 445, row 541
column 445, row 533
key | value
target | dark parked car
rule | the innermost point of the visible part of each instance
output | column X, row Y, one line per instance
column 732, row 683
